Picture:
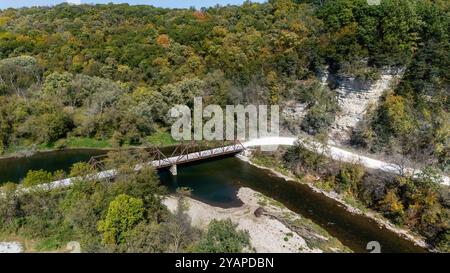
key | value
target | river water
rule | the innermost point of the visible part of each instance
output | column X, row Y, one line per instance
column 217, row 181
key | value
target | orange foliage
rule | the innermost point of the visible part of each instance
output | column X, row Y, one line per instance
column 163, row 40
column 199, row 15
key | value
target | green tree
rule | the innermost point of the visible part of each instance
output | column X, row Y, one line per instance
column 397, row 113
column 350, row 177
column 17, row 74
column 37, row 177
column 222, row 236
column 57, row 84
column 274, row 88
column 123, row 213
column 183, row 92
column 145, row 238
column 178, row 232
column 9, row 209
column 322, row 107
column 81, row 169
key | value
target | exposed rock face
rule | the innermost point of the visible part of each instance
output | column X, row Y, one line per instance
column 294, row 110
column 355, row 96
column 292, row 115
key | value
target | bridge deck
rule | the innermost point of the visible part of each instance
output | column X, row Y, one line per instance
column 158, row 164
column 334, row 153
column 195, row 156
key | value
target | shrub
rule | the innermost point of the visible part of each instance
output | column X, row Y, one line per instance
column 223, row 237
column 37, row 177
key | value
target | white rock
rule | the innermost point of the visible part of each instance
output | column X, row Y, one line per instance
column 354, row 98
column 10, row 247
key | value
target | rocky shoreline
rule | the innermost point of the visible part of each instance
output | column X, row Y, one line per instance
column 272, row 227
column 406, row 234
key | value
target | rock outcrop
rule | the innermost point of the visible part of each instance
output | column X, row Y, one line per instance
column 355, row 96
column 292, row 115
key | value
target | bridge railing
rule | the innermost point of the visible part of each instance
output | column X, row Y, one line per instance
column 185, row 151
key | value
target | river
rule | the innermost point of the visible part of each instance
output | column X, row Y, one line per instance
column 216, row 182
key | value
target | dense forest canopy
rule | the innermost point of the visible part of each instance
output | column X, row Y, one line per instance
column 106, row 75
column 110, row 72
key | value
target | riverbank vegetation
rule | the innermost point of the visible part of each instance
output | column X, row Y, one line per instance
column 124, row 216
column 107, row 74
column 420, row 204
column 103, row 76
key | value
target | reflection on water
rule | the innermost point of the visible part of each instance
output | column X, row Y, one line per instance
column 217, row 182
column 15, row 169
column 205, row 186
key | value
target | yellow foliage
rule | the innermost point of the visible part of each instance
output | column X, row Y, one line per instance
column 161, row 61
column 397, row 114
column 392, row 203
column 78, row 59
column 142, row 93
column 220, row 31
column 299, row 27
column 4, row 20
column 23, row 38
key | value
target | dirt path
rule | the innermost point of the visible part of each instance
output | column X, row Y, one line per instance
column 336, row 153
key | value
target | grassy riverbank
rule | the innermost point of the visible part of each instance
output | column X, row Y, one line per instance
column 160, row 139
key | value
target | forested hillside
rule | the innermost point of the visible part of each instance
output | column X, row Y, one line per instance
column 111, row 72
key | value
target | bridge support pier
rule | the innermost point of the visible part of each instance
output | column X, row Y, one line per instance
column 173, row 169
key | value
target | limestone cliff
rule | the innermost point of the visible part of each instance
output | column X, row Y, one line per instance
column 355, row 96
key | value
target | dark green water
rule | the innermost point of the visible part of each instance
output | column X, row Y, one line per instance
column 15, row 169
column 217, row 181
